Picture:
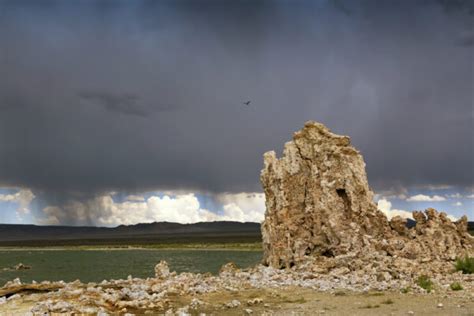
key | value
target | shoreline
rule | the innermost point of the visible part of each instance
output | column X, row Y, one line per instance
column 210, row 247
column 259, row 290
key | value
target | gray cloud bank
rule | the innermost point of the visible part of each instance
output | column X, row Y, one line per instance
column 139, row 95
column 122, row 103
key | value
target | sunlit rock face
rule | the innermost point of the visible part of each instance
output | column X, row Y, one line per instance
column 319, row 204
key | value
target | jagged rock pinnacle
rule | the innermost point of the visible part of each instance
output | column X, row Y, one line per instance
column 319, row 204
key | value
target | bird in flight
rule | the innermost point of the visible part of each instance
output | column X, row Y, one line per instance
column 247, row 103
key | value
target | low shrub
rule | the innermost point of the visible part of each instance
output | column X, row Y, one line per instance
column 376, row 294
column 388, row 301
column 405, row 290
column 425, row 283
column 300, row 300
column 456, row 286
column 465, row 265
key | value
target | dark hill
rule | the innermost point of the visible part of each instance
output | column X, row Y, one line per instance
column 32, row 235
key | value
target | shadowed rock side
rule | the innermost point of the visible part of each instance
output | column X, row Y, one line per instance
column 319, row 207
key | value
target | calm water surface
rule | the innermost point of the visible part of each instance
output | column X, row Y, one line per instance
column 97, row 265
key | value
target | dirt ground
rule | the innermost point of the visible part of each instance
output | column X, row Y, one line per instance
column 300, row 301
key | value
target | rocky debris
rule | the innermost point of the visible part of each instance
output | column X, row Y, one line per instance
column 435, row 237
column 183, row 311
column 15, row 281
column 228, row 269
column 254, row 301
column 196, row 303
column 135, row 295
column 233, row 304
column 320, row 209
column 18, row 267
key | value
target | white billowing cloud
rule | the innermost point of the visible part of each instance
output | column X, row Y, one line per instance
column 23, row 197
column 244, row 207
column 457, row 203
column 426, row 198
column 471, row 196
column 8, row 197
column 183, row 208
column 386, row 207
column 452, row 218
column 456, row 195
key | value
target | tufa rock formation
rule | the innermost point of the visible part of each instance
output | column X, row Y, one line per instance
column 22, row 266
column 162, row 271
column 319, row 207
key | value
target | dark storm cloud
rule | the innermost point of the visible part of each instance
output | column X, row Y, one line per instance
column 122, row 103
column 466, row 39
column 10, row 102
column 466, row 6
column 392, row 74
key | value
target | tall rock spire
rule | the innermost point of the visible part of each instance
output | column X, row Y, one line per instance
column 319, row 204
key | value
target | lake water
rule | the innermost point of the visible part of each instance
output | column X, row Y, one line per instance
column 97, row 265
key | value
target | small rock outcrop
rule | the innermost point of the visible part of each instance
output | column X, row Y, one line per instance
column 228, row 269
column 162, row 271
column 319, row 206
column 22, row 266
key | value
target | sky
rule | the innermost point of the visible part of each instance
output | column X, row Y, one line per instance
column 119, row 112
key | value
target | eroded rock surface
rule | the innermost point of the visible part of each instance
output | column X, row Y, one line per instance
column 319, row 207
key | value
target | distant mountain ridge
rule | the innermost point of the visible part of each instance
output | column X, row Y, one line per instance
column 15, row 232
